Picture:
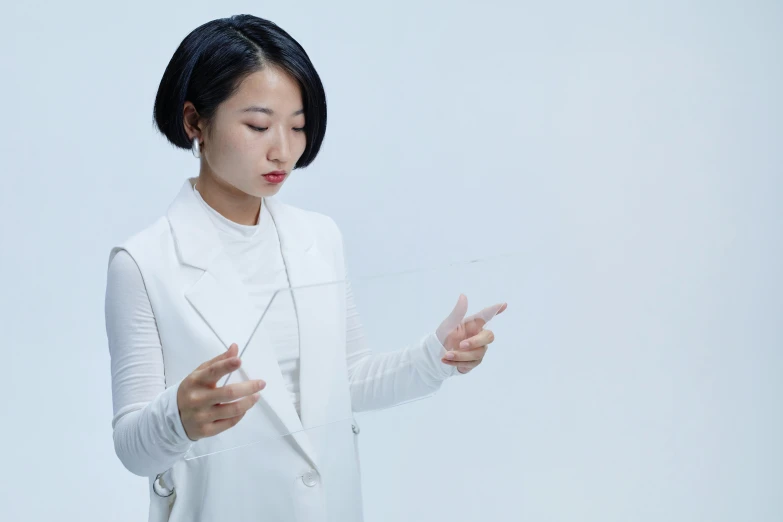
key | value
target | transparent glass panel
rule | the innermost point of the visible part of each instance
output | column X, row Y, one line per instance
column 369, row 348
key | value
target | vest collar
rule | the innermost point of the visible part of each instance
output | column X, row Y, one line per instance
column 219, row 297
column 198, row 243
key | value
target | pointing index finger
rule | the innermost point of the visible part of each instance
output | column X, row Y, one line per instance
column 484, row 316
column 211, row 374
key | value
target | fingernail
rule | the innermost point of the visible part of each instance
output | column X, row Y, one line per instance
column 464, row 344
column 450, row 356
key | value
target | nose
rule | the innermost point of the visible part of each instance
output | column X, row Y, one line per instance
column 280, row 150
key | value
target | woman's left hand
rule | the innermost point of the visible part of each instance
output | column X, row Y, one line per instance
column 466, row 340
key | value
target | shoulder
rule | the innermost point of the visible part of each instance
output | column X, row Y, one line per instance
column 322, row 225
column 124, row 280
column 153, row 236
column 315, row 228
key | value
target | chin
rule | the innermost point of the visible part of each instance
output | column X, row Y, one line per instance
column 259, row 189
column 269, row 190
column 272, row 189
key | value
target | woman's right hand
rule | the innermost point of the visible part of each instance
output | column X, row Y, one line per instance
column 206, row 409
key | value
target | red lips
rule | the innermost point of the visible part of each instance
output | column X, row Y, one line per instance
column 275, row 177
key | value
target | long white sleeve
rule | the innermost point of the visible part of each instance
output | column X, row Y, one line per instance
column 382, row 379
column 148, row 433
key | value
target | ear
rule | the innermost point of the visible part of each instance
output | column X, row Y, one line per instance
column 192, row 122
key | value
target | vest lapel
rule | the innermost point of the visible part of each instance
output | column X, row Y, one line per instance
column 221, row 300
column 320, row 308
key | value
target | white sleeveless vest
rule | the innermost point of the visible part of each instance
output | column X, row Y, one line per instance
column 201, row 308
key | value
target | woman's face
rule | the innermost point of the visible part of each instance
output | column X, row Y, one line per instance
column 258, row 130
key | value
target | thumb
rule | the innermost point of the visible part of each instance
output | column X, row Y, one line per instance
column 454, row 319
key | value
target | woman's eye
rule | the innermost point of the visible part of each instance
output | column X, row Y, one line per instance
column 262, row 129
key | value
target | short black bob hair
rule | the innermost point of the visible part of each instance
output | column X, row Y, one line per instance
column 212, row 61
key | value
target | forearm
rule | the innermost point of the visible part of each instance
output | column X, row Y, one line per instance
column 151, row 439
column 384, row 379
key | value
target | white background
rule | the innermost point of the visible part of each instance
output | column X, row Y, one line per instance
column 631, row 152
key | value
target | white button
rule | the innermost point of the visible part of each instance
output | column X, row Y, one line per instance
column 310, row 478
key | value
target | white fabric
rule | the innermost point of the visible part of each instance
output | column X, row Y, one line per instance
column 198, row 305
column 148, row 434
column 255, row 251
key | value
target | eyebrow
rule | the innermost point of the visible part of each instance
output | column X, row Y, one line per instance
column 266, row 110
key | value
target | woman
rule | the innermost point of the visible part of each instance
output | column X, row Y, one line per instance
column 185, row 293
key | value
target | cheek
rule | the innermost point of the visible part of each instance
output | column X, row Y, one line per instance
column 232, row 147
column 301, row 143
column 238, row 139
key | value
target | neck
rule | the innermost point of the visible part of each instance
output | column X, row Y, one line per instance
column 228, row 201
